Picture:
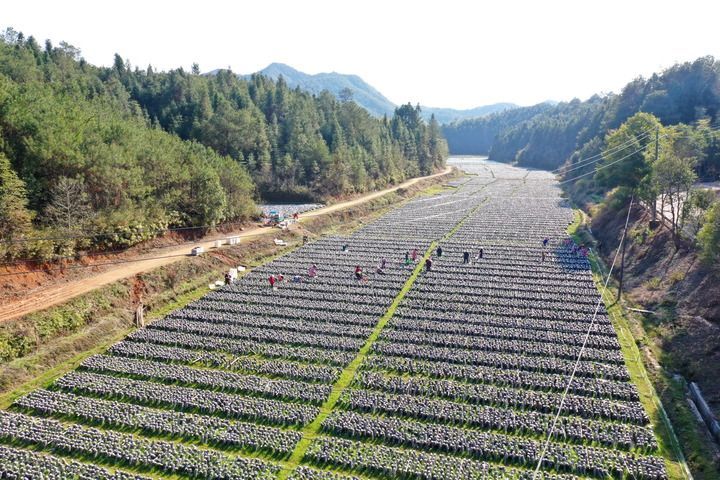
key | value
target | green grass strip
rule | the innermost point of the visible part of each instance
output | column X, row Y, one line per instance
column 311, row 430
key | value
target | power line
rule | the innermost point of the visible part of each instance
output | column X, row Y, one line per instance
column 605, row 166
column 632, row 143
column 716, row 128
column 582, row 348
column 627, row 144
column 598, row 157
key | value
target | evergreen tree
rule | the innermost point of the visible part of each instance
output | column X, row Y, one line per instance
column 15, row 217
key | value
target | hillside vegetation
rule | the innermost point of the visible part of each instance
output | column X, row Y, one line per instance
column 546, row 136
column 97, row 158
column 653, row 141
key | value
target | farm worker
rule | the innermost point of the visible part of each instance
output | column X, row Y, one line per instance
column 345, row 247
column 543, row 255
column 296, row 279
column 545, row 242
column 295, row 216
column 358, row 272
column 381, row 268
column 439, row 251
column 428, row 264
column 466, row 257
column 383, row 262
column 480, row 253
column 280, row 277
column 228, row 279
column 312, row 271
column 407, row 258
column 414, row 254
column 271, row 279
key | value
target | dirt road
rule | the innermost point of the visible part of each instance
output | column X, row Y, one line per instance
column 125, row 268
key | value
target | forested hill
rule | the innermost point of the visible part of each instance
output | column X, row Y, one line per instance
column 546, row 135
column 105, row 157
column 338, row 84
column 353, row 87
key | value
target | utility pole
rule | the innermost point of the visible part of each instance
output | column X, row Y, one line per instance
column 657, row 154
column 622, row 267
column 622, row 254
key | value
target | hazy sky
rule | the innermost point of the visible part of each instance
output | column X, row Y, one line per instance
column 442, row 53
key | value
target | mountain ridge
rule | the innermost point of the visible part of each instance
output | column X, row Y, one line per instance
column 365, row 94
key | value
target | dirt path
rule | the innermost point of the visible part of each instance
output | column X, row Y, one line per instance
column 121, row 269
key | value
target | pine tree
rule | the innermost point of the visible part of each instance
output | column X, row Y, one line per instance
column 15, row 218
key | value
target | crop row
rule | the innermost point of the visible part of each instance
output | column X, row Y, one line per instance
column 515, row 254
column 259, row 334
column 464, row 334
column 556, row 350
column 586, row 407
column 319, row 288
column 274, row 368
column 306, row 473
column 591, row 387
column 281, row 296
column 125, row 449
column 188, row 399
column 507, row 318
column 279, row 311
column 392, row 462
column 526, row 311
column 260, row 305
column 244, row 347
column 213, row 430
column 580, row 460
column 294, row 325
column 490, row 305
column 338, row 264
column 573, row 429
column 465, row 275
column 601, row 336
column 512, row 287
column 211, row 379
column 502, row 360
column 531, row 286
column 17, row 464
column 558, row 299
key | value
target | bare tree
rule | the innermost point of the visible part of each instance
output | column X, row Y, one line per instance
column 69, row 207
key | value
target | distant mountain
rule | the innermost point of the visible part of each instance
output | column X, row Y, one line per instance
column 449, row 115
column 366, row 95
column 362, row 93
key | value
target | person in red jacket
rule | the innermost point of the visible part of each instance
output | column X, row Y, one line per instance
column 271, row 279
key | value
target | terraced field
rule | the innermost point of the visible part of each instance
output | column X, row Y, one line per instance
column 454, row 373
